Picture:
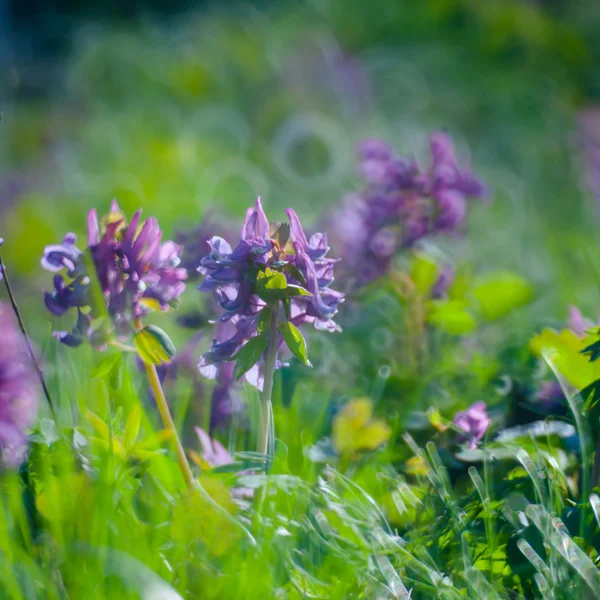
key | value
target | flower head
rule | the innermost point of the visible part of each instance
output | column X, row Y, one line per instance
column 18, row 392
column 474, row 422
column 400, row 205
column 134, row 270
column 273, row 265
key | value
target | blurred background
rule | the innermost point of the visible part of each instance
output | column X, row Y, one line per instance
column 186, row 108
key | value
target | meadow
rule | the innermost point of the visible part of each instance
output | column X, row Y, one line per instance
column 301, row 301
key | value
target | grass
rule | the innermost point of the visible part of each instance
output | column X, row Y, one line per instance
column 211, row 110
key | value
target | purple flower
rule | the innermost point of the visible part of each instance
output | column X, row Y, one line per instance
column 578, row 323
column 135, row 272
column 216, row 455
column 474, row 422
column 232, row 275
column 401, row 205
column 18, row 392
column 195, row 243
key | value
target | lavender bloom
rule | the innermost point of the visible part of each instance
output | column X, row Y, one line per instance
column 579, row 324
column 18, row 395
column 474, row 422
column 135, row 271
column 195, row 243
column 401, row 205
column 216, row 455
column 231, row 274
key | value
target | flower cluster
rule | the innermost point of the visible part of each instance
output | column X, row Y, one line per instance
column 18, row 392
column 272, row 264
column 400, row 205
column 126, row 271
column 195, row 243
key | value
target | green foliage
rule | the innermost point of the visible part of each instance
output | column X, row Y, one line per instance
column 500, row 293
column 249, row 354
column 295, row 341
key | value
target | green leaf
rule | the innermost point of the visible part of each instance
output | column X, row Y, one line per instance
column 270, row 285
column 452, row 317
column 264, row 320
column 295, row 272
column 501, row 293
column 249, row 355
column 295, row 341
column 154, row 346
column 424, row 273
column 106, row 365
column 295, row 290
column 132, row 426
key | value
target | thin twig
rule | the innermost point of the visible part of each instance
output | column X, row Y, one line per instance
column 17, row 312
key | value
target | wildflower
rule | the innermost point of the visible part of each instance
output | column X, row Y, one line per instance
column 272, row 264
column 135, row 272
column 18, row 396
column 214, row 454
column 400, row 205
column 195, row 243
column 474, row 422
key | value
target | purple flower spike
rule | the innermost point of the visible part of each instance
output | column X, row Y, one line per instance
column 400, row 205
column 18, row 395
column 474, row 422
column 135, row 271
column 232, row 275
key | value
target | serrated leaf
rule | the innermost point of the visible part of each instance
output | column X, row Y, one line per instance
column 249, row 355
column 295, row 341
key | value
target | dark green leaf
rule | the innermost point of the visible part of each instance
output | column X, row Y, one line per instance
column 295, row 290
column 282, row 233
column 249, row 355
column 295, row 273
column 295, row 341
column 593, row 350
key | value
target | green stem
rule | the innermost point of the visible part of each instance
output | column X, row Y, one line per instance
column 269, row 372
column 167, row 419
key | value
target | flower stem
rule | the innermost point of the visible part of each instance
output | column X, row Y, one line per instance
column 17, row 312
column 270, row 358
column 167, row 419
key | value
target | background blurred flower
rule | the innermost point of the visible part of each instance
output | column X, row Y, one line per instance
column 18, row 391
column 400, row 205
column 136, row 272
column 474, row 422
